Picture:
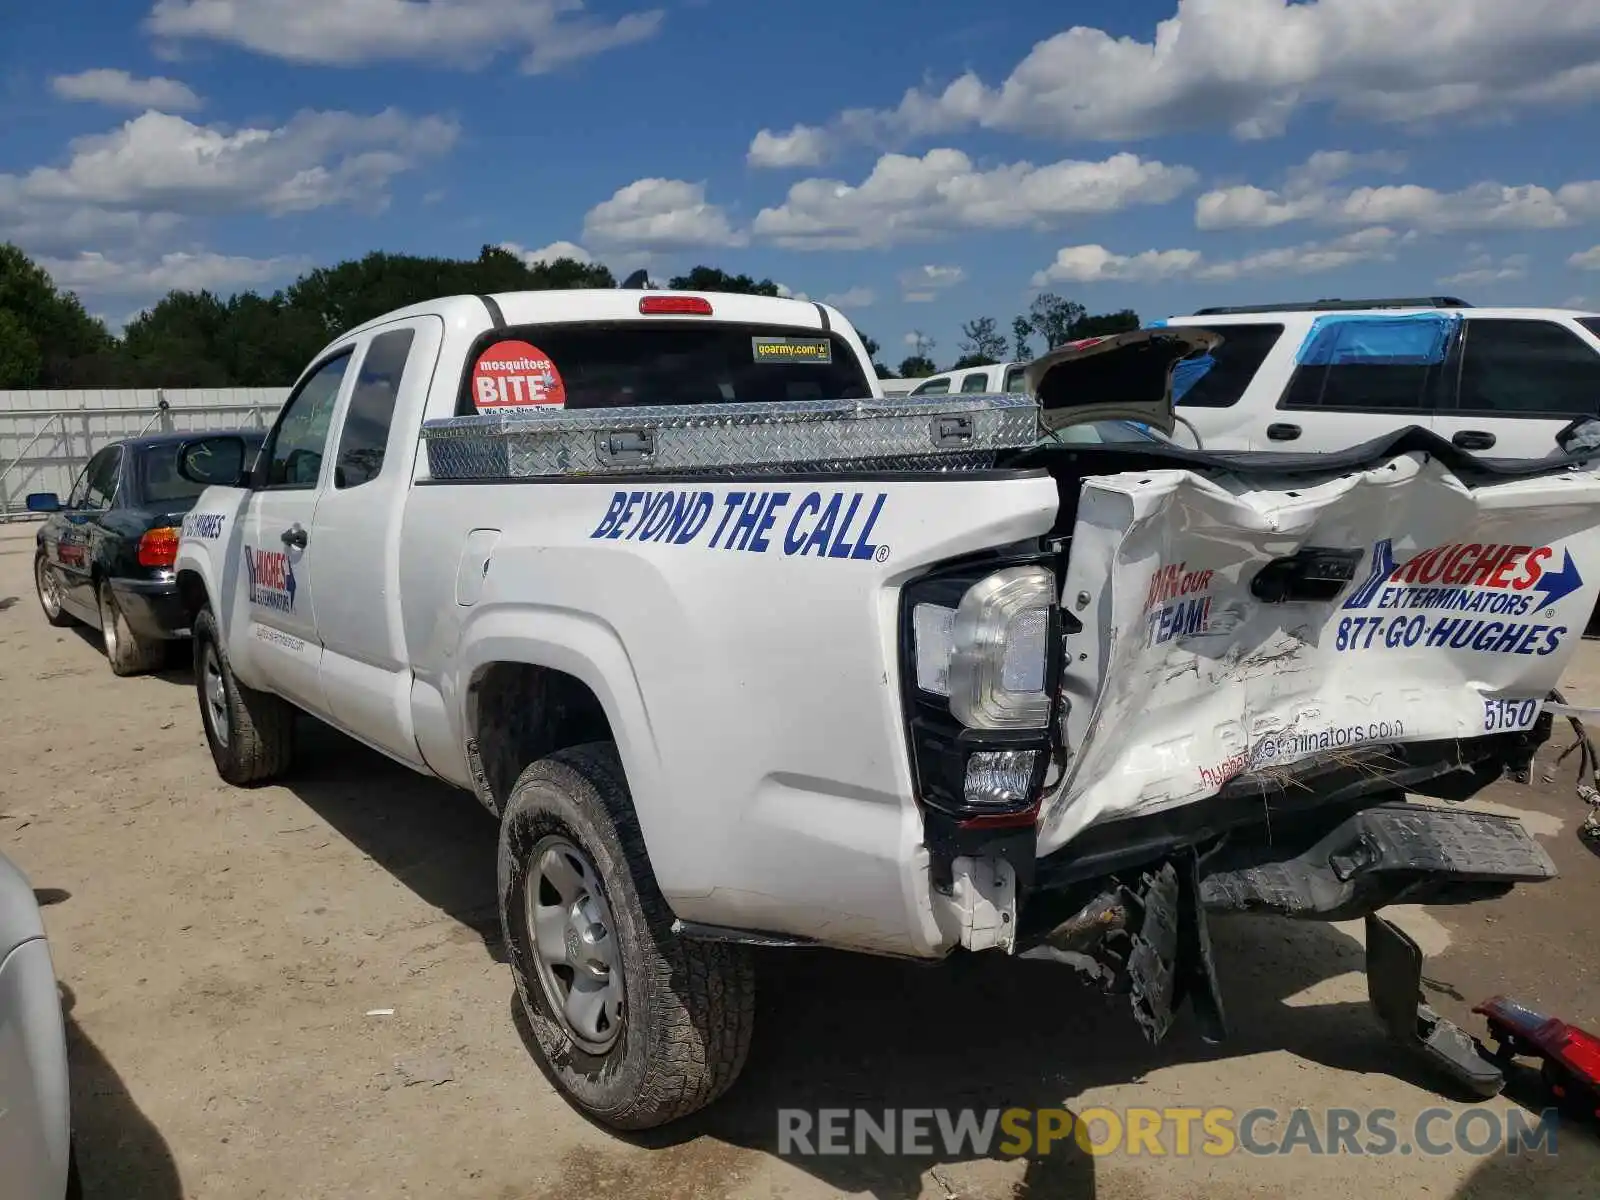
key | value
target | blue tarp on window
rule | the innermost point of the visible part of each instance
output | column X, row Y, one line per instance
column 1417, row 339
column 1188, row 373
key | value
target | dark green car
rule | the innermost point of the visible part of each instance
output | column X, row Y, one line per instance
column 104, row 555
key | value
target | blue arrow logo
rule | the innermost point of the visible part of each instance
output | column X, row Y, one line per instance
column 1554, row 585
column 1383, row 566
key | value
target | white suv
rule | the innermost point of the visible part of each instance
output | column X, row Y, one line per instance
column 1334, row 374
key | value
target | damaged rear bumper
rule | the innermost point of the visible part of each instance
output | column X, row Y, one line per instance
column 1143, row 931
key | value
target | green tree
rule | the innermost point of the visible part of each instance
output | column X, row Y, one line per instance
column 1104, row 324
column 917, row 366
column 714, row 279
column 354, row 292
column 69, row 347
column 1021, row 331
column 1053, row 318
column 20, row 360
column 981, row 343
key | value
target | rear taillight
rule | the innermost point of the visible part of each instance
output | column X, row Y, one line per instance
column 159, row 547
column 1579, row 1052
column 697, row 306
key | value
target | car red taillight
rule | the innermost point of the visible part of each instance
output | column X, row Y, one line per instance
column 159, row 547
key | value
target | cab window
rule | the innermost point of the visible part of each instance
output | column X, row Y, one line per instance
column 102, row 479
column 294, row 453
column 371, row 409
column 978, row 381
column 934, row 387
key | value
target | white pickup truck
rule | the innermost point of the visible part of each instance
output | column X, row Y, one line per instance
column 742, row 654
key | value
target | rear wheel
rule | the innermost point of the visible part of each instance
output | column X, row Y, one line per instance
column 49, row 589
column 636, row 1026
column 127, row 653
column 250, row 733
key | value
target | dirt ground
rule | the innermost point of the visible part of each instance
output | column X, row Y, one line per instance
column 298, row 991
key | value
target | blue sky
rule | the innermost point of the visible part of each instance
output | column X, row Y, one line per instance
column 918, row 163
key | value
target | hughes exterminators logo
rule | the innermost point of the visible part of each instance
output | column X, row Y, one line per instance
column 272, row 582
column 1492, row 598
column 1178, row 604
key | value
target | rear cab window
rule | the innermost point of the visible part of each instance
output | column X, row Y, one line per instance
column 617, row 364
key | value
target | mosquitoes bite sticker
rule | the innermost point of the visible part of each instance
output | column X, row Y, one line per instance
column 516, row 375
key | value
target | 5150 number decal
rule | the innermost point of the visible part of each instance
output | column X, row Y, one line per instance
column 1506, row 716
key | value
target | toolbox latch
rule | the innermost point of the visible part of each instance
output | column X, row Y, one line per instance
column 952, row 431
column 621, row 447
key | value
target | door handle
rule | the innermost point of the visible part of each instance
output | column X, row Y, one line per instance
column 294, row 536
column 1280, row 432
column 1474, row 439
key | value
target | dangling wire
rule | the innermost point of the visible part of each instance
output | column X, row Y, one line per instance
column 1588, row 772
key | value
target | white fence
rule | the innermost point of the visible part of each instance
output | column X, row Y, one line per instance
column 46, row 437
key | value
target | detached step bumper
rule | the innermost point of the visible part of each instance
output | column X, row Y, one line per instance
column 1390, row 854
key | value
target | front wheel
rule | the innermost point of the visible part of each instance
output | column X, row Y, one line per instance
column 636, row 1026
column 250, row 733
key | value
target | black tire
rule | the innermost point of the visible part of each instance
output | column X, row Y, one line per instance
column 127, row 653
column 256, row 742
column 54, row 614
column 688, row 1007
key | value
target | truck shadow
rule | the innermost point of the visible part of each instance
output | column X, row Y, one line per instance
column 434, row 839
column 845, row 1031
column 119, row 1150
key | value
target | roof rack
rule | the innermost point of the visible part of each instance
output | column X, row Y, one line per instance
column 1335, row 305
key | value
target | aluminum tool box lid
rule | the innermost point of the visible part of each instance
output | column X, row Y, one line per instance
column 913, row 433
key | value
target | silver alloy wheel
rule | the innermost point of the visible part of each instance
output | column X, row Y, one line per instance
column 108, row 621
column 573, row 937
column 49, row 587
column 216, row 694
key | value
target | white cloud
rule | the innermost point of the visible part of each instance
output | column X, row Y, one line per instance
column 908, row 198
column 856, row 297
column 460, row 33
column 550, row 253
column 922, row 285
column 802, row 146
column 1485, row 268
column 160, row 163
column 1575, row 302
column 1586, row 260
column 1308, row 195
column 787, row 293
column 96, row 274
column 1096, row 264
column 660, row 214
column 115, row 87
column 1250, row 65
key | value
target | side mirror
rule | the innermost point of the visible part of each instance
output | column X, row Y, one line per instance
column 43, row 502
column 1580, row 437
column 221, row 461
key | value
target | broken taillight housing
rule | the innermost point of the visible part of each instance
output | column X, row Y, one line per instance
column 159, row 547
column 1573, row 1052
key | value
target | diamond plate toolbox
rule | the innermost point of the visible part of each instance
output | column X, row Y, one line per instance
column 936, row 433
